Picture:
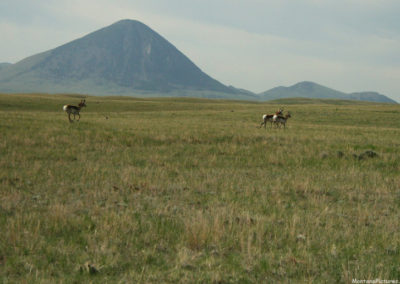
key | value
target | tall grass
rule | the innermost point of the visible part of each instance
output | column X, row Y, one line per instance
column 186, row 190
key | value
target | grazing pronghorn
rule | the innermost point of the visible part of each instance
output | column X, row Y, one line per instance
column 281, row 120
column 74, row 110
column 270, row 118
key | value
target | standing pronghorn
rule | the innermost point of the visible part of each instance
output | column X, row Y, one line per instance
column 281, row 120
column 74, row 110
column 270, row 118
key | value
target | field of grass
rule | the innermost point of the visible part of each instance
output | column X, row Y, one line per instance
column 191, row 191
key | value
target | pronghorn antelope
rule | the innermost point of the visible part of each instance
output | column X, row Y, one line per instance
column 266, row 118
column 277, row 114
column 281, row 120
column 269, row 117
column 70, row 109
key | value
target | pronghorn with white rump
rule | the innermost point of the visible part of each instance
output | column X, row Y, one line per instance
column 270, row 117
column 279, row 120
column 70, row 109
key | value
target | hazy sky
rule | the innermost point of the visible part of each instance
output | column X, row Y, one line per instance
column 348, row 45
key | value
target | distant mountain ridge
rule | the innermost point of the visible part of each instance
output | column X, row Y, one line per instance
column 123, row 58
column 4, row 64
column 312, row 90
column 129, row 58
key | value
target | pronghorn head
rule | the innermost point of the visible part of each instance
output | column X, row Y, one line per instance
column 280, row 112
column 82, row 103
column 288, row 114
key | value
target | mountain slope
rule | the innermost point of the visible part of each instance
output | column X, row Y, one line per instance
column 4, row 65
column 120, row 59
column 316, row 91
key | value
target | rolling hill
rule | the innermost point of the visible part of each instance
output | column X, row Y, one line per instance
column 315, row 91
column 125, row 58
column 371, row 97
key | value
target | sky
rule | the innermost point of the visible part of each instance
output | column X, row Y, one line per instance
column 347, row 45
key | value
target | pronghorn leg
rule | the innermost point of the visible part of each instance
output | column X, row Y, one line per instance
column 69, row 117
column 79, row 116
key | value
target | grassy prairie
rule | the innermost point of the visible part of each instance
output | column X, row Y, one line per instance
column 191, row 191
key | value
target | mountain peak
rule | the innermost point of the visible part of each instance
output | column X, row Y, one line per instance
column 305, row 86
column 124, row 57
column 127, row 21
column 305, row 83
column 127, row 24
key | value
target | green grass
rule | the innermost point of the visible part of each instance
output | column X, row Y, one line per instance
column 190, row 190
